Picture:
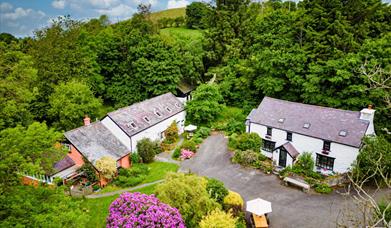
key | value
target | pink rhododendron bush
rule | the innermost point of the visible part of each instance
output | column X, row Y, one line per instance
column 186, row 154
column 140, row 210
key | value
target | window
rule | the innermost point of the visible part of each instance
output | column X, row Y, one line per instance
column 269, row 131
column 343, row 133
column 326, row 145
column 158, row 113
column 168, row 109
column 146, row 119
column 306, row 125
column 324, row 162
column 289, row 136
column 131, row 125
column 268, row 145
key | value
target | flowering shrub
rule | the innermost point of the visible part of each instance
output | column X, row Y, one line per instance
column 140, row 210
column 186, row 154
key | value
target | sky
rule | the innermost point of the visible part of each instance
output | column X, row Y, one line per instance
column 22, row 17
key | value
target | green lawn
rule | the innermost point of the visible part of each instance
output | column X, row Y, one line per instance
column 157, row 171
column 98, row 208
column 170, row 13
column 173, row 35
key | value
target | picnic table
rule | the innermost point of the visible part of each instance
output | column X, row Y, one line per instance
column 260, row 221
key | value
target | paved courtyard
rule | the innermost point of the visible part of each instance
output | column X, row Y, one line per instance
column 291, row 207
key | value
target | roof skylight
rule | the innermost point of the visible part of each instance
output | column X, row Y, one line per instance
column 157, row 113
column 131, row 124
column 281, row 120
column 168, row 109
column 306, row 125
column 146, row 119
column 343, row 133
column 177, row 105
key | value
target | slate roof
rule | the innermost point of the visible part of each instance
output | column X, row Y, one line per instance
column 63, row 164
column 95, row 141
column 290, row 149
column 136, row 113
column 185, row 87
column 325, row 123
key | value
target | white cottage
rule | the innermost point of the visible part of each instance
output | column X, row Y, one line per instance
column 146, row 119
column 287, row 129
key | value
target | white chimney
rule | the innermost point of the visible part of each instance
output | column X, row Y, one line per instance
column 368, row 114
column 87, row 120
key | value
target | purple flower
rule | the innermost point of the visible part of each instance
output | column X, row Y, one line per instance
column 140, row 210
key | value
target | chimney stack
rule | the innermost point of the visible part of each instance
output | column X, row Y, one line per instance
column 368, row 114
column 87, row 120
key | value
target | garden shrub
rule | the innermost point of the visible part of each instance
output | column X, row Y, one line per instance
column 248, row 158
column 305, row 162
column 189, row 145
column 233, row 202
column 197, row 140
column 188, row 194
column 171, row 133
column 245, row 141
column 384, row 210
column 216, row 190
column 218, row 219
column 322, row 188
column 186, row 154
column 202, row 132
column 131, row 177
column 147, row 149
column 89, row 171
column 177, row 153
column 140, row 210
column 135, row 158
column 107, row 166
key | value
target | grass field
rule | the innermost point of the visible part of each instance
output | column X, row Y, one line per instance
column 170, row 13
column 98, row 208
column 189, row 36
column 157, row 171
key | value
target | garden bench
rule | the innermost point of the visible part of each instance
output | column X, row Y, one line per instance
column 304, row 186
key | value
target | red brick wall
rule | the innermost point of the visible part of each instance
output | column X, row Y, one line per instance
column 76, row 156
column 124, row 162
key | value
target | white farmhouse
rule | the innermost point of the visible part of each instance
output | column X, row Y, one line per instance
column 146, row 119
column 333, row 136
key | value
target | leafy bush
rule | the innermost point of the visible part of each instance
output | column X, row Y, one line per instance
column 131, row 177
column 186, row 154
column 188, row 194
column 147, row 149
column 189, row 145
column 384, row 210
column 218, row 218
column 216, row 190
column 89, row 171
column 135, row 209
column 245, row 141
column 248, row 158
column 233, row 202
column 171, row 133
column 107, row 166
column 322, row 188
column 177, row 153
column 197, row 140
column 202, row 132
column 135, row 158
column 305, row 162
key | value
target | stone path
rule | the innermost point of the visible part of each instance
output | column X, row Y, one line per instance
column 94, row 196
column 167, row 157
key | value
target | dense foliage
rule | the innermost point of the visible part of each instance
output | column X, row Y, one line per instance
column 140, row 210
column 205, row 106
column 147, row 149
column 132, row 176
column 216, row 190
column 245, row 141
column 89, row 171
column 171, row 133
column 374, row 160
column 27, row 206
column 233, row 203
column 107, row 167
column 218, row 219
column 188, row 194
column 197, row 15
column 305, row 162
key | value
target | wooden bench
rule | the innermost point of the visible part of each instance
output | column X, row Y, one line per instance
column 260, row 221
column 304, row 186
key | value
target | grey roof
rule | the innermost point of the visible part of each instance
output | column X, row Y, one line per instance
column 63, row 164
column 148, row 108
column 95, row 141
column 185, row 87
column 290, row 149
column 325, row 123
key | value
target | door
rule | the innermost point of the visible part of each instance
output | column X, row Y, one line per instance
column 282, row 157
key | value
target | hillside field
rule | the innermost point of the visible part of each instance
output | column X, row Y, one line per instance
column 170, row 13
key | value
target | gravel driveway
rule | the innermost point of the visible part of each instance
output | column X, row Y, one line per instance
column 291, row 207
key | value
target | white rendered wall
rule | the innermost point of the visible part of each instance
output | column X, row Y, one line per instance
column 154, row 132
column 276, row 158
column 344, row 155
column 117, row 132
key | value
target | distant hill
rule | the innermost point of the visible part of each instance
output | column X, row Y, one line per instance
column 170, row 13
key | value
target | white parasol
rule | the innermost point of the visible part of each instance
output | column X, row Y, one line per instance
column 259, row 206
column 190, row 128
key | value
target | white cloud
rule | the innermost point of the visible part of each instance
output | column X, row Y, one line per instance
column 104, row 3
column 5, row 6
column 19, row 13
column 58, row 4
column 152, row 2
column 122, row 11
column 177, row 4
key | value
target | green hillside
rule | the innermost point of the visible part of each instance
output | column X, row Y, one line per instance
column 170, row 13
